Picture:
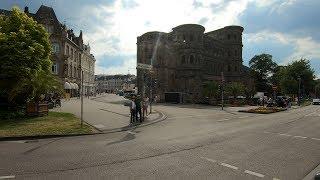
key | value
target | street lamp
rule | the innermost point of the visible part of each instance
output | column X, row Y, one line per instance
column 299, row 91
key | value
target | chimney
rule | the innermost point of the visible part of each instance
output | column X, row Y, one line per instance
column 26, row 10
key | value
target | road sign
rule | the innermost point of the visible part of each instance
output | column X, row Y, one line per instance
column 144, row 66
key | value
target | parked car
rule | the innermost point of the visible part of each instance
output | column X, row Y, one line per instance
column 316, row 101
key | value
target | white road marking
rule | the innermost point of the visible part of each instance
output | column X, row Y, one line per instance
column 208, row 159
column 99, row 126
column 285, row 135
column 317, row 139
column 267, row 132
column 7, row 177
column 275, row 179
column 300, row 137
column 19, row 142
column 227, row 119
column 130, row 132
column 229, row 166
column 243, row 117
column 254, row 173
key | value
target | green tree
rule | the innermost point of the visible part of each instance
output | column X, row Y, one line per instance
column 211, row 89
column 25, row 58
column 235, row 89
column 289, row 77
column 262, row 68
column 317, row 90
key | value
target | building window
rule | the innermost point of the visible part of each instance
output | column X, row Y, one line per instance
column 229, row 36
column 229, row 68
column 55, row 47
column 235, row 36
column 235, row 68
column 229, row 53
column 191, row 59
column 54, row 68
column 75, row 56
column 235, row 52
column 49, row 29
column 67, row 50
column 183, row 59
column 184, row 38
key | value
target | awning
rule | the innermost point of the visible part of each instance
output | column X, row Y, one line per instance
column 72, row 86
column 67, row 85
column 76, row 86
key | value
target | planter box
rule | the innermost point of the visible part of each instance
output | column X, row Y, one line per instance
column 35, row 109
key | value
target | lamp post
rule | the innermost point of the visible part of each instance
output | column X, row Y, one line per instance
column 299, row 91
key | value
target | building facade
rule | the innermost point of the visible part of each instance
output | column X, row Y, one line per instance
column 184, row 59
column 87, row 65
column 114, row 83
column 68, row 51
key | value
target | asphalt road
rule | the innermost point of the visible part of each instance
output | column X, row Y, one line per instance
column 192, row 143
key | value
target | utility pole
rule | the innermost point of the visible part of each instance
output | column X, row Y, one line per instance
column 299, row 92
column 222, row 89
column 81, row 98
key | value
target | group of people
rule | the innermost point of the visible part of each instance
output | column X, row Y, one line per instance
column 138, row 109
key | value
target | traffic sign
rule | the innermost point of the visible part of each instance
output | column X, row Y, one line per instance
column 144, row 66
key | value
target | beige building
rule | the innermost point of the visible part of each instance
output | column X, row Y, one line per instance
column 69, row 55
column 88, row 63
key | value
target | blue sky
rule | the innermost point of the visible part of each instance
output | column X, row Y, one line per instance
column 286, row 29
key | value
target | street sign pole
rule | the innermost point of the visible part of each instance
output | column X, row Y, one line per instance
column 81, row 98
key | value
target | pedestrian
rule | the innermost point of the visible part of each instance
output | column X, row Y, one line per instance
column 145, row 106
column 138, row 109
column 132, row 110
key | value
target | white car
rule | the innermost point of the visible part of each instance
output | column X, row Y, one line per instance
column 316, row 101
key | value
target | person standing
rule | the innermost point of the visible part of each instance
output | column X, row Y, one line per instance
column 132, row 111
column 138, row 109
column 145, row 106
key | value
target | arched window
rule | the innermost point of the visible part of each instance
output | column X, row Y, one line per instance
column 183, row 59
column 229, row 68
column 229, row 36
column 236, row 69
column 191, row 59
column 235, row 36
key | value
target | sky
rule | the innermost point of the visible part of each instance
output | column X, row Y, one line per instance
column 286, row 29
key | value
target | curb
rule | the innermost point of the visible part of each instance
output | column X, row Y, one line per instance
column 161, row 117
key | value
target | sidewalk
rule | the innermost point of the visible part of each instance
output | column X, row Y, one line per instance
column 106, row 117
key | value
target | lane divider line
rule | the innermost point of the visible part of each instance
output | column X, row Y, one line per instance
column 7, row 177
column 285, row 135
column 254, row 173
column 229, row 166
column 303, row 137
column 208, row 159
column 317, row 139
column 227, row 119
column 275, row 179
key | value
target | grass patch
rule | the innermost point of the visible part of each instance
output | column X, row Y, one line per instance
column 56, row 123
column 264, row 110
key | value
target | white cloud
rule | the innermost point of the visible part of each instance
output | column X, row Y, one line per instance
column 126, row 24
column 127, row 67
column 116, row 34
column 304, row 47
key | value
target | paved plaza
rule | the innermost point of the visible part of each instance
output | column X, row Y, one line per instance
column 193, row 142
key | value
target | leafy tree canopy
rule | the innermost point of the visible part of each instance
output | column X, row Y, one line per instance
column 235, row 89
column 263, row 64
column 24, row 56
column 289, row 77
